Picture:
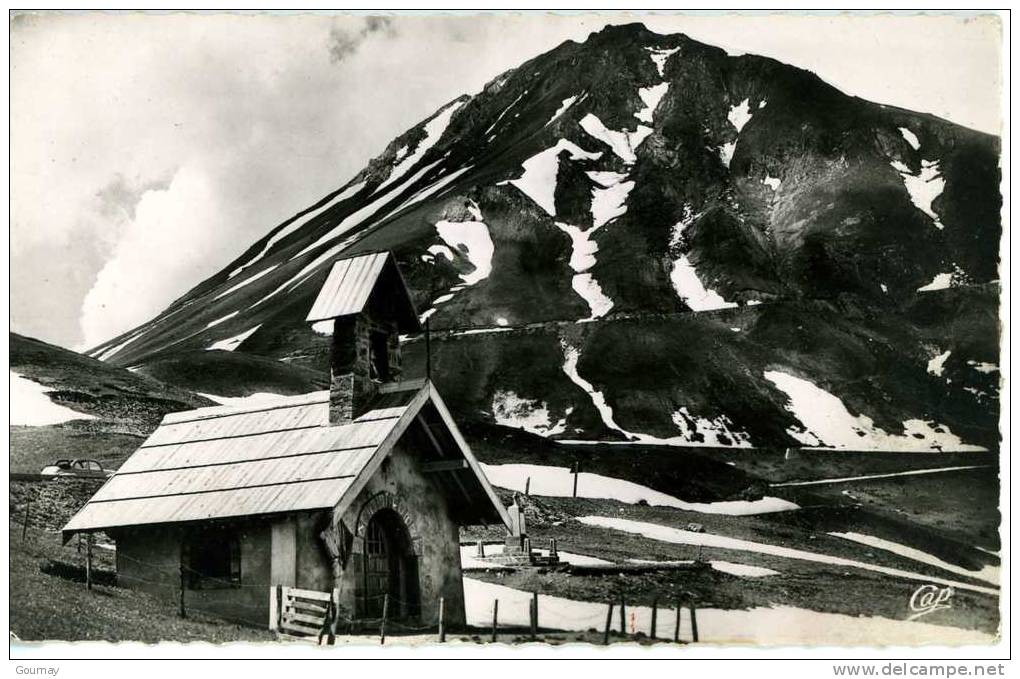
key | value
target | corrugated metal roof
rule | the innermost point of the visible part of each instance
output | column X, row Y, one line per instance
column 228, row 461
column 221, row 462
column 349, row 286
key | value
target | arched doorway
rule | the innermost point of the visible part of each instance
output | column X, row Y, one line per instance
column 390, row 568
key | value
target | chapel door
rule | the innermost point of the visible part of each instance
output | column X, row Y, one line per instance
column 378, row 571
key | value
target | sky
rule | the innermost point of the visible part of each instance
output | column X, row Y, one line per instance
column 148, row 151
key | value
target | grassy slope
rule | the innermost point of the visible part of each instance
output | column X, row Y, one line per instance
column 49, row 601
column 127, row 406
column 91, row 386
column 32, row 448
column 226, row 373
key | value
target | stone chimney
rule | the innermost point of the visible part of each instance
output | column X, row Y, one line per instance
column 364, row 355
column 365, row 300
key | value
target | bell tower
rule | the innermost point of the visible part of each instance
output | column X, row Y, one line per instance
column 368, row 303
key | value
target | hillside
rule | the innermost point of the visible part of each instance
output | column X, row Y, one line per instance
column 100, row 411
column 640, row 238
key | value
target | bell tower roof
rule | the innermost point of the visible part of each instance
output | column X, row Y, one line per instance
column 354, row 281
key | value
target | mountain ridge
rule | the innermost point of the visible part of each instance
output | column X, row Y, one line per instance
column 637, row 174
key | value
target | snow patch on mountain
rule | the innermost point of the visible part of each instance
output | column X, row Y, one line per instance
column 114, row 350
column 742, row 570
column 691, row 290
column 231, row 343
column 988, row 573
column 439, row 251
column 585, row 285
column 539, row 179
column 660, row 56
column 697, row 431
column 684, row 277
column 252, row 400
column 623, row 143
column 213, row 324
column 940, row 282
column 985, row 368
column 472, row 240
column 701, row 431
column 296, row 224
column 551, row 481
column 567, row 103
column 31, row 407
column 827, row 423
column 655, row 531
column 429, row 191
column 571, row 356
column 434, row 130
column 531, row 415
column 583, row 248
column 442, row 299
column 246, row 281
column 504, row 112
column 305, row 272
column 610, row 201
column 910, row 137
column 924, row 187
column 651, row 96
column 582, row 258
column 726, row 152
column 358, row 216
column 740, row 115
column 548, row 481
column 936, row 364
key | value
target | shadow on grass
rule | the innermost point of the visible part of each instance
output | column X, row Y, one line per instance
column 75, row 573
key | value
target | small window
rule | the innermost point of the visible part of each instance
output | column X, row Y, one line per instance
column 375, row 544
column 380, row 352
column 212, row 558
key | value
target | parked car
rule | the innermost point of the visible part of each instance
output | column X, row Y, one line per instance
column 86, row 469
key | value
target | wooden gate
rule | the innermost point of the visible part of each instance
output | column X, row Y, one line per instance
column 298, row 614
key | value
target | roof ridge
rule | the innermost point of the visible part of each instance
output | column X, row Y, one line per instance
column 225, row 410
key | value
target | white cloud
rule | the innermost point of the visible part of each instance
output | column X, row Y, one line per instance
column 170, row 227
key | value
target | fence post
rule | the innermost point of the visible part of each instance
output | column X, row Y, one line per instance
column 533, row 615
column 527, row 487
column 88, row 561
column 385, row 612
column 576, row 470
column 609, row 623
column 180, row 589
column 655, row 616
column 495, row 617
column 442, row 619
column 623, row 617
column 274, row 610
column 336, row 615
column 676, row 628
column 694, row 624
